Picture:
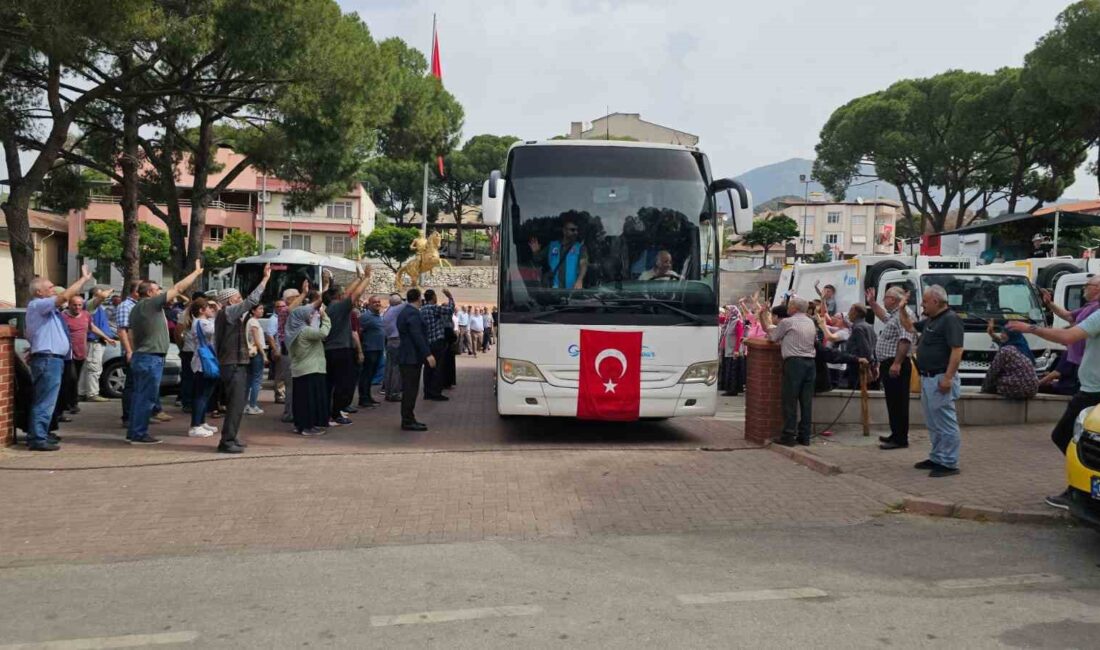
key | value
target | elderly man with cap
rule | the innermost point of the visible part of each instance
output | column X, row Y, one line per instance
column 231, row 346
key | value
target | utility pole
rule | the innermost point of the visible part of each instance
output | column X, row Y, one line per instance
column 805, row 206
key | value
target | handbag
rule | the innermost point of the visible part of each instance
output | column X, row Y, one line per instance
column 207, row 358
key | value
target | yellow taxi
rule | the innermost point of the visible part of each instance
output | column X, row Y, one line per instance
column 1083, row 469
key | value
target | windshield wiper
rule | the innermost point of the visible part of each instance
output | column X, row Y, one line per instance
column 611, row 305
column 666, row 305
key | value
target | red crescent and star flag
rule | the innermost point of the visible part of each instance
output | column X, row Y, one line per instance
column 437, row 72
column 610, row 375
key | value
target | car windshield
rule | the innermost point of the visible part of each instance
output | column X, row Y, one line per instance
column 606, row 234
column 982, row 297
column 283, row 276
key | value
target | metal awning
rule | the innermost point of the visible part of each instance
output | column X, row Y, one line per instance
column 1055, row 217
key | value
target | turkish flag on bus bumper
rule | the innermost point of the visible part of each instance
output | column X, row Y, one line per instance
column 610, row 375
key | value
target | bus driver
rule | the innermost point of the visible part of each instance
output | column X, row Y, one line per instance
column 662, row 269
column 565, row 259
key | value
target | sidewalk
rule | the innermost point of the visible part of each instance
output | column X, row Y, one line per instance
column 1006, row 471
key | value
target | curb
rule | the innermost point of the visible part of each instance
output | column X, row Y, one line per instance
column 807, row 459
column 921, row 505
column 937, row 508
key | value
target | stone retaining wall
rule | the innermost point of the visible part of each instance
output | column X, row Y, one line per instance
column 974, row 409
column 462, row 277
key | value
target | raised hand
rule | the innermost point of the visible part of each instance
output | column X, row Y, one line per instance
column 85, row 274
column 198, row 265
column 870, row 294
column 267, row 270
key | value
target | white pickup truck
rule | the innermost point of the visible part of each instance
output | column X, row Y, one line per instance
column 976, row 294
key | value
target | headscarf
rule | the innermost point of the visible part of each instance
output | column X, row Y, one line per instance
column 1017, row 340
column 296, row 322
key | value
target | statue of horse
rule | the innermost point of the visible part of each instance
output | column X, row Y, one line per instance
column 424, row 261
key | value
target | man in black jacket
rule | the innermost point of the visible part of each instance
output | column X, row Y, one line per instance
column 861, row 342
column 412, row 355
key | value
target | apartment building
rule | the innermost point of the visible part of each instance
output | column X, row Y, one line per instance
column 251, row 202
column 630, row 125
column 851, row 227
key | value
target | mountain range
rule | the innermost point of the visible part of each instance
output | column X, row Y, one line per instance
column 781, row 179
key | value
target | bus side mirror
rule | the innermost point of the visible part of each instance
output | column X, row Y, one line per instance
column 740, row 203
column 492, row 199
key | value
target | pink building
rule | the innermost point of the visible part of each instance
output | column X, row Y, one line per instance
column 244, row 206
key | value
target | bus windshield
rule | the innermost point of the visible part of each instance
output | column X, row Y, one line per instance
column 283, row 276
column 606, row 234
column 982, row 297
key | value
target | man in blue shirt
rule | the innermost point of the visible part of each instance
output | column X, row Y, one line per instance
column 372, row 338
column 391, row 382
column 565, row 261
column 50, row 346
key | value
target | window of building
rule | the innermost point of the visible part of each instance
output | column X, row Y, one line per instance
column 299, row 242
column 834, row 238
column 833, row 217
column 217, row 234
column 339, row 210
column 859, row 221
column 336, row 244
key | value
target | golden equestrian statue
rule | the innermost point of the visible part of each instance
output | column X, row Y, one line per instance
column 425, row 261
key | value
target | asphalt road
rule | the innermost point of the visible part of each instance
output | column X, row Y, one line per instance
column 896, row 581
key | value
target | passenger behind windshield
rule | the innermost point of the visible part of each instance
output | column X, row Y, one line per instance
column 564, row 263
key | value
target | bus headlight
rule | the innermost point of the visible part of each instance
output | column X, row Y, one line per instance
column 513, row 370
column 705, row 372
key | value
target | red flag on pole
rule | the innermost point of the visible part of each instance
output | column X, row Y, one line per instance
column 610, row 386
column 437, row 72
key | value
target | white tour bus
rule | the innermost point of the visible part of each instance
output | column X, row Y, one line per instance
column 289, row 267
column 628, row 204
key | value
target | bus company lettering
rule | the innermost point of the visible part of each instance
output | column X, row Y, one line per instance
column 610, row 386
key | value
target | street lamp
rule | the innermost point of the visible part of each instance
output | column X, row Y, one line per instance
column 805, row 201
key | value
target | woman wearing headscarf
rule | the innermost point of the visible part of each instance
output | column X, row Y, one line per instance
column 1011, row 374
column 306, row 329
column 730, row 345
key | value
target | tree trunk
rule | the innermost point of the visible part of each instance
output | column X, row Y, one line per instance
column 200, row 195
column 129, row 165
column 22, row 246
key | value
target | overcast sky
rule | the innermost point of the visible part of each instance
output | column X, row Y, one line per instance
column 755, row 80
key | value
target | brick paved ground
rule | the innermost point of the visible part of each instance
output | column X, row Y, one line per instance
column 468, row 422
column 332, row 502
column 471, row 477
column 1009, row 468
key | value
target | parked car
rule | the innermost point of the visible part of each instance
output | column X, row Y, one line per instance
column 113, row 378
column 1083, row 468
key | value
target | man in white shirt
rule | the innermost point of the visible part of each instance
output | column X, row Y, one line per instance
column 662, row 269
column 477, row 331
column 464, row 342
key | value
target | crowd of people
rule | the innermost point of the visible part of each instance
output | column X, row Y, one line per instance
column 823, row 349
column 319, row 348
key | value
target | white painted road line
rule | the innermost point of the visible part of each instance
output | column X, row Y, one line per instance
column 100, row 643
column 750, row 596
column 454, row 615
column 1001, row 581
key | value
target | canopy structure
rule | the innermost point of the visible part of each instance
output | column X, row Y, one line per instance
column 1048, row 216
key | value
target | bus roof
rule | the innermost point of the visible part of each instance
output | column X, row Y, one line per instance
column 294, row 256
column 602, row 143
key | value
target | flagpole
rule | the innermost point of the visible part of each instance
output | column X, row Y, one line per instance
column 424, row 203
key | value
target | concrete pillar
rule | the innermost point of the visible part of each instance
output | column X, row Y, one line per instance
column 763, row 388
column 575, row 130
column 7, row 385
